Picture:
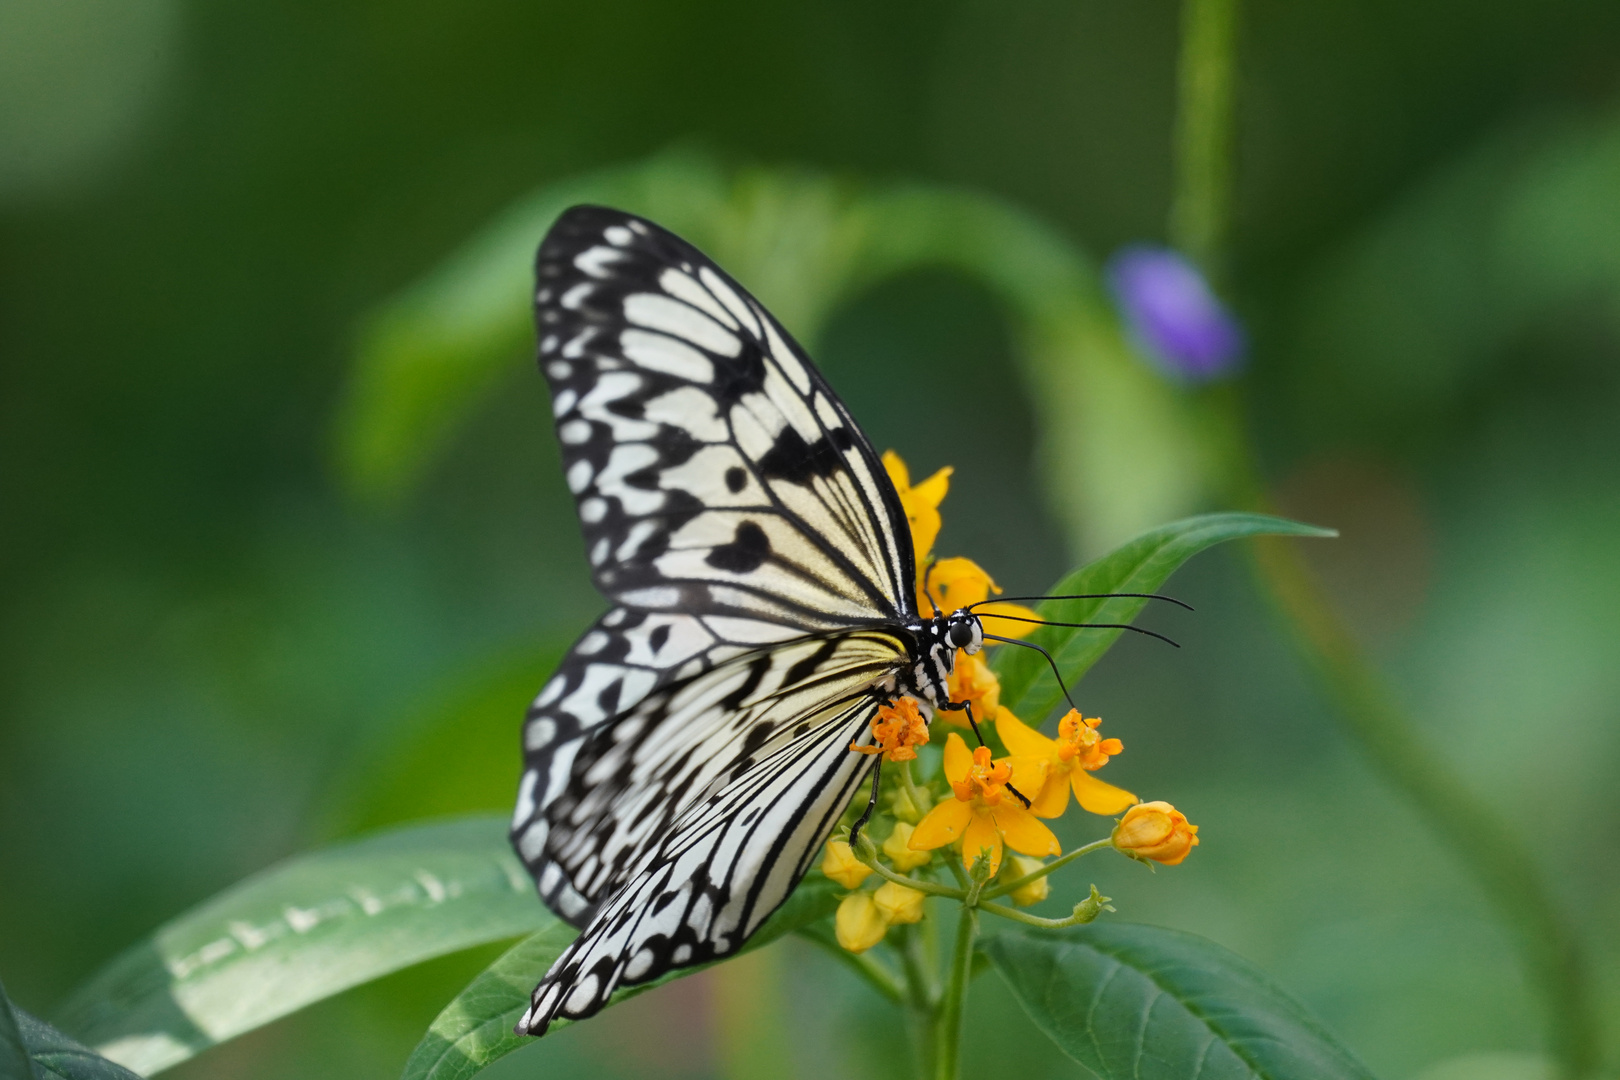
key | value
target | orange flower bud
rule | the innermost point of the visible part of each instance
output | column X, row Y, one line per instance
column 899, row 904
column 1035, row 891
column 1157, row 831
column 842, row 866
column 898, row 851
column 859, row 924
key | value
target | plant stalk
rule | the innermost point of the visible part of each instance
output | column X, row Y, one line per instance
column 1199, row 221
column 1203, row 133
column 1485, row 844
column 948, row 1022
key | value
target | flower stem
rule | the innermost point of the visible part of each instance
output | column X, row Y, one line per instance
column 1498, row 860
column 1035, row 875
column 867, row 853
column 919, row 802
column 1203, row 135
column 948, row 1025
column 875, row 975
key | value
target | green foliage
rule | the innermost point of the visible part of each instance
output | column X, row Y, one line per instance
column 805, row 244
column 475, row 1029
column 1140, row 566
column 458, row 755
column 1515, row 235
column 13, row 1051
column 1144, row 1003
column 301, row 931
column 31, row 1049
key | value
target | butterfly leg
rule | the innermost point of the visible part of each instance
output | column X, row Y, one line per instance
column 967, row 706
column 871, row 804
column 960, row 706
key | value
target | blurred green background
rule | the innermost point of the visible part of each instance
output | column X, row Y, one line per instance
column 215, row 655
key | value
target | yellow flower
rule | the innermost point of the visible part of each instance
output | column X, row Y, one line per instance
column 971, row 680
column 984, row 814
column 1035, row 891
column 842, row 866
column 897, row 727
column 958, row 583
column 920, row 503
column 900, row 854
column 1157, row 831
column 899, row 904
column 859, row 923
column 1070, row 760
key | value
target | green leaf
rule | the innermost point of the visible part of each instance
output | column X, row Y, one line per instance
column 1146, row 1003
column 302, row 931
column 475, row 1029
column 1141, row 565
column 58, row 1057
column 14, row 1057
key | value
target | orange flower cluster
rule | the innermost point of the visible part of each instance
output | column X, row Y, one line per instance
column 897, row 729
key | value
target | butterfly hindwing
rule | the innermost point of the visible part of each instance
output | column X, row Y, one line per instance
column 629, row 780
column 714, row 470
column 722, row 864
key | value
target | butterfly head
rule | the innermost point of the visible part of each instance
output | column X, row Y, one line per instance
column 964, row 631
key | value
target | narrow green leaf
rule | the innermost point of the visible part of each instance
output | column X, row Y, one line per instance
column 58, row 1057
column 1145, row 1003
column 1141, row 565
column 302, row 931
column 475, row 1029
column 14, row 1057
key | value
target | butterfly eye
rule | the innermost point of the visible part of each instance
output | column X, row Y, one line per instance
column 961, row 634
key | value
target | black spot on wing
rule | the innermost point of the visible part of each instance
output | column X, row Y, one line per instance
column 748, row 550
column 740, row 375
column 793, row 459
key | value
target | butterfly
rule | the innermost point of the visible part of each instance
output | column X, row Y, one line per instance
column 696, row 747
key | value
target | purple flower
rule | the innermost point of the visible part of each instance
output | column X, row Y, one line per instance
column 1173, row 315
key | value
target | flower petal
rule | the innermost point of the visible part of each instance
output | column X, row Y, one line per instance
column 958, row 582
column 1024, row 831
column 895, row 466
column 958, row 758
column 1008, row 627
column 931, row 492
column 1099, row 797
column 982, row 835
column 1054, row 796
column 1020, row 738
column 1028, row 773
column 942, row 825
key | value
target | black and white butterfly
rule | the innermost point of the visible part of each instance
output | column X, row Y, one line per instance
column 693, row 751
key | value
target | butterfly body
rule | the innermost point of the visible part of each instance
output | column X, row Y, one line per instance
column 694, row 749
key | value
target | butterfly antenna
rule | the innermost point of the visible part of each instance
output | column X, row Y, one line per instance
column 1052, row 663
column 1089, row 626
column 1088, row 596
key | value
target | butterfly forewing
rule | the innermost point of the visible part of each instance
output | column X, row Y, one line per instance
column 714, row 471
column 632, row 779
